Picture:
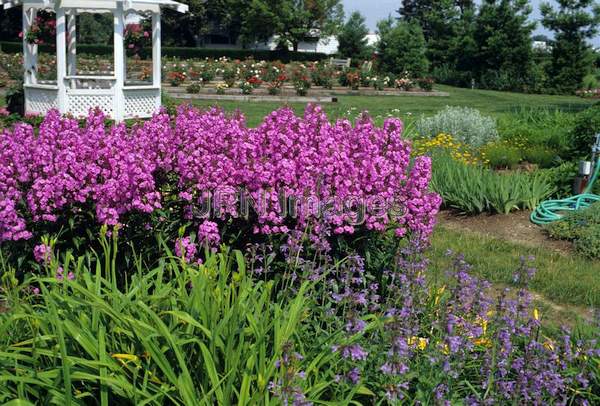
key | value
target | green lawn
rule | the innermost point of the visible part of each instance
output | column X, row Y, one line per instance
column 408, row 107
column 561, row 279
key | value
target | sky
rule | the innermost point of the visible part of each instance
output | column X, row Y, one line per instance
column 375, row 10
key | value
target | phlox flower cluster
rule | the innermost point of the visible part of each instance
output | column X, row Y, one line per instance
column 63, row 167
column 186, row 249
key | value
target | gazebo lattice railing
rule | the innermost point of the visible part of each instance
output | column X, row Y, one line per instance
column 75, row 94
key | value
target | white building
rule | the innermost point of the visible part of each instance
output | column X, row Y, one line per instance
column 542, row 46
column 328, row 45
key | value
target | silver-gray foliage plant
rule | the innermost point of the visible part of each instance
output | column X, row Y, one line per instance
column 465, row 124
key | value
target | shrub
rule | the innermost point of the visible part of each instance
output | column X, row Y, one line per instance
column 588, row 243
column 581, row 227
column 183, row 52
column 163, row 172
column 353, row 78
column 323, row 74
column 246, row 87
column 425, row 84
column 502, row 155
column 301, row 80
column 449, row 75
column 230, row 75
column 465, row 124
column 563, row 178
column 540, row 155
column 583, row 134
column 194, row 88
column 404, row 82
column 207, row 75
column 177, row 74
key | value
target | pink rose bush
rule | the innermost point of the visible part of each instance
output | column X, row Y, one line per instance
column 335, row 177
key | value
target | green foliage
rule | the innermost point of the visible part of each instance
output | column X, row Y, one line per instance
column 540, row 155
column 465, row 124
column 583, row 228
column 194, row 88
column 474, row 189
column 187, row 53
column 425, row 84
column 588, row 243
column 502, row 155
column 323, row 74
column 590, row 82
column 352, row 37
column 574, row 23
column 546, row 127
column 503, row 41
column 442, row 31
column 184, row 29
column 176, row 333
column 583, row 133
column 291, row 20
column 561, row 279
column 402, row 48
column 10, row 23
column 562, row 177
column 94, row 28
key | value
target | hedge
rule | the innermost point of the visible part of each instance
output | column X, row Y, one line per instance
column 188, row 53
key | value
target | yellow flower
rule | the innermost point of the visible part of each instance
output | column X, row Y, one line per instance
column 420, row 342
column 484, row 342
column 439, row 294
column 126, row 357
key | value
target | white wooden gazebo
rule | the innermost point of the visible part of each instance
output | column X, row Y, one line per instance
column 75, row 94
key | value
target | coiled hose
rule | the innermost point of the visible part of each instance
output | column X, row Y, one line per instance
column 554, row 210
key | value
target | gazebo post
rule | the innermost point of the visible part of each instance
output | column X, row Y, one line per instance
column 119, row 26
column 61, row 59
column 72, row 54
column 156, row 54
column 29, row 50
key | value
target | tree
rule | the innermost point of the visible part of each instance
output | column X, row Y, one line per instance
column 442, row 31
column 401, row 48
column 422, row 11
column 292, row 21
column 94, row 28
column 541, row 38
column 185, row 29
column 227, row 17
column 10, row 23
column 504, row 45
column 574, row 22
column 444, row 28
column 352, row 38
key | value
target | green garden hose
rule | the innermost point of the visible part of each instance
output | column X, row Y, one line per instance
column 550, row 210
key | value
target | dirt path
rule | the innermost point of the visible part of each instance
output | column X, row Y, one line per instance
column 518, row 229
column 514, row 227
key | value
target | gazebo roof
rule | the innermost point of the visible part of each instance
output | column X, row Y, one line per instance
column 101, row 5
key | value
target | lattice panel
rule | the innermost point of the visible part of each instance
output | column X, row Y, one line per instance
column 41, row 101
column 140, row 103
column 80, row 104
